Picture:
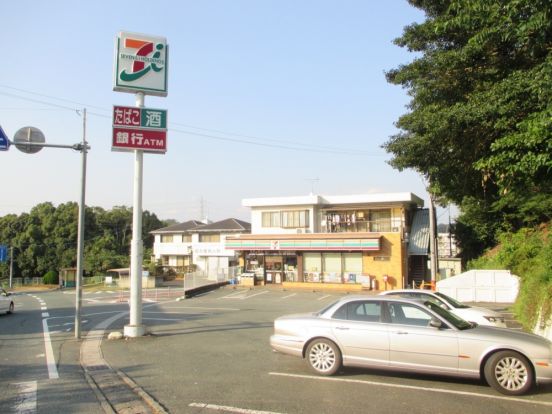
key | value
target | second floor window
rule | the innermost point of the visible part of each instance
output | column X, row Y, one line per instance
column 295, row 219
column 271, row 219
column 209, row 238
column 166, row 238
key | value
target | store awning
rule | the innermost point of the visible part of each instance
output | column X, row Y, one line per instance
column 318, row 244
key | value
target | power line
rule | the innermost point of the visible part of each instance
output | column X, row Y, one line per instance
column 249, row 139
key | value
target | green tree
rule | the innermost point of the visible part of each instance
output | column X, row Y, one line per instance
column 46, row 238
column 479, row 125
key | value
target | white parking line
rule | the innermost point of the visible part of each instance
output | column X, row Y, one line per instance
column 26, row 392
column 324, row 297
column 243, row 295
column 412, row 387
column 289, row 296
column 230, row 409
column 50, row 360
column 256, row 294
column 233, row 295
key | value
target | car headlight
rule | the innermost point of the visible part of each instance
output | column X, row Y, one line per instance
column 494, row 319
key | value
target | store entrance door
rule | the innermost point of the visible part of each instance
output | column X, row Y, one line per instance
column 274, row 269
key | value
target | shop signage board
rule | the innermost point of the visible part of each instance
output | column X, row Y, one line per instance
column 132, row 116
column 130, row 139
column 137, row 128
column 141, row 63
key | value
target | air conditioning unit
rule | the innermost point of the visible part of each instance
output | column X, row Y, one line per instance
column 299, row 231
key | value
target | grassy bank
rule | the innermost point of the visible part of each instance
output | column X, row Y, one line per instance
column 527, row 254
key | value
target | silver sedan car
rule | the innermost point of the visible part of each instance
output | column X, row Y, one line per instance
column 6, row 302
column 413, row 336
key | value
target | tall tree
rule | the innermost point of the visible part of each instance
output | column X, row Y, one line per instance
column 479, row 125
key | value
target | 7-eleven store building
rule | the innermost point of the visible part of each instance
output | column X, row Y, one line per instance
column 356, row 241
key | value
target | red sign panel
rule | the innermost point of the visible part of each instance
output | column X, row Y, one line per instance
column 126, row 116
column 149, row 140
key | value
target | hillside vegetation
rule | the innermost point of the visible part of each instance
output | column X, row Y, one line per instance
column 528, row 254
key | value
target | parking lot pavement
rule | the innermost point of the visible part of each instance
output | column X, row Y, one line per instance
column 211, row 354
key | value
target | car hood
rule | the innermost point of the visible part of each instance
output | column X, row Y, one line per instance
column 506, row 335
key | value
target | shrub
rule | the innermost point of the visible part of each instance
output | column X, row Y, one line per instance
column 50, row 278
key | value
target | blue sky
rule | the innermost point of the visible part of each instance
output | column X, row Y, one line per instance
column 264, row 98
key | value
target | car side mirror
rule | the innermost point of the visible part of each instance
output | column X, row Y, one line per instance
column 435, row 323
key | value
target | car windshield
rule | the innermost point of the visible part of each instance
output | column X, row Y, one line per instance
column 453, row 302
column 458, row 322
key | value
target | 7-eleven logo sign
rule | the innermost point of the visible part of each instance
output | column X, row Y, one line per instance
column 141, row 64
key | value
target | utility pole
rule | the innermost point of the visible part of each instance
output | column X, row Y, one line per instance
column 11, row 267
column 80, row 231
column 434, row 263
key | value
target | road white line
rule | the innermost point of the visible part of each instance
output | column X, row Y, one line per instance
column 324, row 297
column 412, row 387
column 289, row 296
column 162, row 319
column 26, row 392
column 198, row 307
column 230, row 409
column 50, row 360
column 45, row 314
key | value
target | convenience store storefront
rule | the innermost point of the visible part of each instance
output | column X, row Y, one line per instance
column 314, row 258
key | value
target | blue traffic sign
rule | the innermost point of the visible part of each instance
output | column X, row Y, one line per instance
column 3, row 253
column 4, row 141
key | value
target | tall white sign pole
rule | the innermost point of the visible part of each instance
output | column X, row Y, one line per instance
column 136, row 328
column 140, row 68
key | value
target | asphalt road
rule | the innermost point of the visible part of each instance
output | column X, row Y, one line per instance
column 211, row 354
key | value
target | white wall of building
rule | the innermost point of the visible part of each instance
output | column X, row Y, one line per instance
column 481, row 286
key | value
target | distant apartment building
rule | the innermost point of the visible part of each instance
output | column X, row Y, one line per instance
column 198, row 245
column 378, row 240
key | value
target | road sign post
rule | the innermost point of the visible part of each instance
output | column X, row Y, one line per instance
column 4, row 141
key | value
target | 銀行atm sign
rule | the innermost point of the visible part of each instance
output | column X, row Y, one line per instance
column 139, row 128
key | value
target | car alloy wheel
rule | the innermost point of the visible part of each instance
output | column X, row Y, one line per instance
column 509, row 373
column 323, row 356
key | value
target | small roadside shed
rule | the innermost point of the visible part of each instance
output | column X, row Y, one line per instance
column 67, row 277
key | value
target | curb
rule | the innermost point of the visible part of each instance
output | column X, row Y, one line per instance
column 115, row 391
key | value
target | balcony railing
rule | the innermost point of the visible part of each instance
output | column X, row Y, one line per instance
column 376, row 226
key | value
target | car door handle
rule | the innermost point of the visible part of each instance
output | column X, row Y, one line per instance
column 342, row 328
column 401, row 333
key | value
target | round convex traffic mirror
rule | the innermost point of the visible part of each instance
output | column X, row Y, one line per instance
column 28, row 140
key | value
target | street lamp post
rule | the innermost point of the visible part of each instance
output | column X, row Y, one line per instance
column 31, row 140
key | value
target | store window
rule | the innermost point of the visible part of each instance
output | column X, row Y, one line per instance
column 209, row 238
column 166, row 238
column 312, row 263
column 352, row 263
column 271, row 219
column 332, row 267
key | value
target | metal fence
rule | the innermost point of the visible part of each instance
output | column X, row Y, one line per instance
column 25, row 281
column 200, row 278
